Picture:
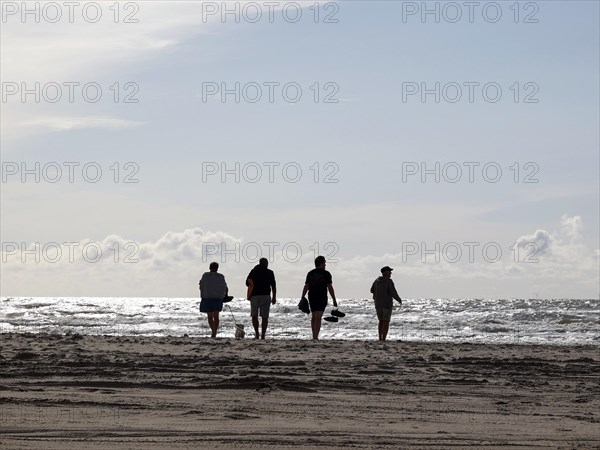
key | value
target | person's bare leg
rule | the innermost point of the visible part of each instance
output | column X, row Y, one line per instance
column 216, row 322
column 264, row 325
column 385, row 329
column 315, row 323
column 255, row 325
column 210, row 324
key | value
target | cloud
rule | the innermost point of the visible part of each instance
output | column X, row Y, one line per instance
column 571, row 227
column 82, row 52
column 72, row 123
column 567, row 239
column 171, row 265
column 539, row 242
column 59, row 51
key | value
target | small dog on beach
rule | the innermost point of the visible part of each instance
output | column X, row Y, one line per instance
column 239, row 331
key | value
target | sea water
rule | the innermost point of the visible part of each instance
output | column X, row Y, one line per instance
column 502, row 321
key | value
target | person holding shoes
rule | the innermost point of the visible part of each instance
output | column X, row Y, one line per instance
column 318, row 283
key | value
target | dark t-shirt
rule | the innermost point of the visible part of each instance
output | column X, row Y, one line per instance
column 317, row 280
column 263, row 279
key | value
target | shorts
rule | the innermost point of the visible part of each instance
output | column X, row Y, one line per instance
column 211, row 305
column 318, row 304
column 384, row 313
column 262, row 303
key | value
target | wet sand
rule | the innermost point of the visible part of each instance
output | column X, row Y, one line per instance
column 84, row 392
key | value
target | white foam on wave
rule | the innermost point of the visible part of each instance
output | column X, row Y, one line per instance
column 558, row 321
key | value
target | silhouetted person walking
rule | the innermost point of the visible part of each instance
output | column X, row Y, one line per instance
column 260, row 281
column 318, row 283
column 213, row 290
column 384, row 292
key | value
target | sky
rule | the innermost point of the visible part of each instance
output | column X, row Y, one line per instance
column 142, row 140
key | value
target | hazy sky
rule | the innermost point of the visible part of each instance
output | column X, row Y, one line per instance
column 459, row 147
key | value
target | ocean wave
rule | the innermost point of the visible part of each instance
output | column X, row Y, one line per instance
column 562, row 322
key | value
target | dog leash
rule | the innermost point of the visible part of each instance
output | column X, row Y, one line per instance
column 234, row 322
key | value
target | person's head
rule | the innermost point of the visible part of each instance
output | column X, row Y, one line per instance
column 386, row 271
column 214, row 266
column 320, row 261
column 263, row 262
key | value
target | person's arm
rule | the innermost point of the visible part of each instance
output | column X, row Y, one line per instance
column 332, row 293
column 394, row 293
column 305, row 290
column 226, row 287
column 274, row 288
column 250, row 284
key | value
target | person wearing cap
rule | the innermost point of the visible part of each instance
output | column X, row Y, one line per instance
column 384, row 292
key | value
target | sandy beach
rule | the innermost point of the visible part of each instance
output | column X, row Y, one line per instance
column 80, row 392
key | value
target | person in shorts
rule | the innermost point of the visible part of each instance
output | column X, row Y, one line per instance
column 213, row 290
column 384, row 292
column 260, row 281
column 318, row 283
